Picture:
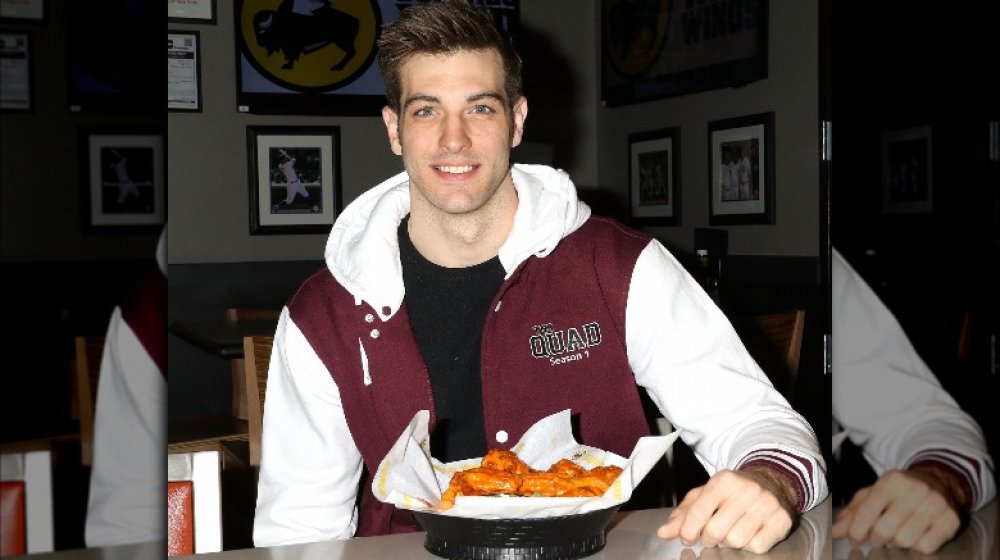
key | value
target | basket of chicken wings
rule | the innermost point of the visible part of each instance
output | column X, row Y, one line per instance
column 547, row 498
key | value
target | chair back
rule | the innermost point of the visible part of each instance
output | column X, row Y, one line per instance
column 26, row 522
column 775, row 342
column 235, row 315
column 257, row 356
column 89, row 350
column 194, row 503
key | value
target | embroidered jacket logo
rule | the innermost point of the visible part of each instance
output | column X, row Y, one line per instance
column 561, row 346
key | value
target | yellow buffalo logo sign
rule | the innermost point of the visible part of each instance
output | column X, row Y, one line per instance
column 309, row 46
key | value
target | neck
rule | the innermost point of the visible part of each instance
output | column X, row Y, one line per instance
column 463, row 240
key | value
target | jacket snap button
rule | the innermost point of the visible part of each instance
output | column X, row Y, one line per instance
column 386, row 309
column 502, row 436
column 375, row 333
column 369, row 318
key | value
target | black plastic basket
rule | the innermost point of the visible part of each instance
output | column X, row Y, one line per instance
column 564, row 537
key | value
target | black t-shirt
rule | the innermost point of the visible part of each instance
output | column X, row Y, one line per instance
column 447, row 309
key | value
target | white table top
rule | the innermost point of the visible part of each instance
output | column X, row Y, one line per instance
column 632, row 536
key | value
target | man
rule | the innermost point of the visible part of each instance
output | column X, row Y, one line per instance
column 127, row 500
column 293, row 184
column 490, row 296
column 743, row 175
column 126, row 186
column 930, row 456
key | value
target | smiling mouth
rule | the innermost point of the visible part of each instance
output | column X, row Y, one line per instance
column 454, row 169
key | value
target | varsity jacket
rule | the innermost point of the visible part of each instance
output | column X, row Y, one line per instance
column 589, row 310
column 126, row 500
column 889, row 402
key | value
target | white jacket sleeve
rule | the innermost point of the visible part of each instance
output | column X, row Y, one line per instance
column 687, row 355
column 127, row 499
column 310, row 467
column 887, row 399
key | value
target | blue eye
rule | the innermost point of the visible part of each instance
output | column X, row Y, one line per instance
column 424, row 112
column 482, row 110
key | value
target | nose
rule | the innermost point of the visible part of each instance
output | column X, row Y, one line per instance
column 454, row 136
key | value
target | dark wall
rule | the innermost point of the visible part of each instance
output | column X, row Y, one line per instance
column 52, row 303
column 897, row 67
column 41, row 177
column 200, row 383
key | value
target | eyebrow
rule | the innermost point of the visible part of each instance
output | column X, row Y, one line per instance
column 472, row 98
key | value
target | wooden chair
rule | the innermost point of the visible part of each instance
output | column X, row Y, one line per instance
column 235, row 315
column 257, row 351
column 194, row 503
column 87, row 361
column 26, row 517
column 775, row 341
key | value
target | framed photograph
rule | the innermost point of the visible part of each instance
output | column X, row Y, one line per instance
column 654, row 177
column 183, row 71
column 318, row 62
column 741, row 170
column 294, row 178
column 907, row 186
column 191, row 11
column 23, row 11
column 15, row 71
column 652, row 50
column 114, row 58
column 123, row 179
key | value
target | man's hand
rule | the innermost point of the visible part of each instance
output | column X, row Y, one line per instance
column 750, row 509
column 916, row 508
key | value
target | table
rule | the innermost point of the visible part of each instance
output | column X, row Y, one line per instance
column 151, row 550
column 222, row 338
column 632, row 536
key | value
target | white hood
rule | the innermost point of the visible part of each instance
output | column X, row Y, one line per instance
column 362, row 252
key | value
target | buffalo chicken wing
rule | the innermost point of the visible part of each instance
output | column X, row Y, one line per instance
column 503, row 473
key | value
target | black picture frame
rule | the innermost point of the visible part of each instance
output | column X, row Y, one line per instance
column 191, row 11
column 654, row 172
column 314, row 156
column 741, row 170
column 17, row 91
column 24, row 11
column 654, row 50
column 122, row 178
column 302, row 70
column 907, row 171
column 184, row 71
column 114, row 58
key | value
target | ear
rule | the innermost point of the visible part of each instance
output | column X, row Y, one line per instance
column 520, row 115
column 391, row 120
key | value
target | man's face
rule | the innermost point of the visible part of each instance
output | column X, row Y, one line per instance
column 454, row 131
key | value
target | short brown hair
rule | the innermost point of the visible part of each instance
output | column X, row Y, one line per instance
column 444, row 26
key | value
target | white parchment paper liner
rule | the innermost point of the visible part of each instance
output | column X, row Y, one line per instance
column 409, row 478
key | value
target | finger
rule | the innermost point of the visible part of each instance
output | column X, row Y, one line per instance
column 840, row 525
column 939, row 528
column 900, row 511
column 699, row 512
column 762, row 528
column 719, row 527
column 672, row 528
column 869, row 507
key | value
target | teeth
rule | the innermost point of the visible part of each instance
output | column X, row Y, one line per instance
column 456, row 168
